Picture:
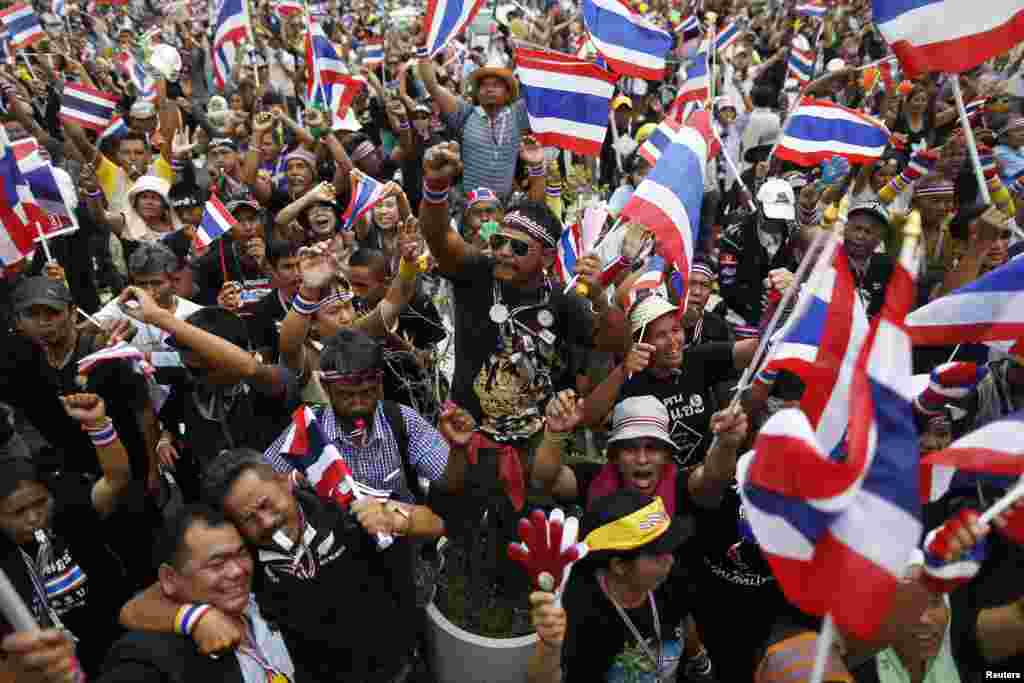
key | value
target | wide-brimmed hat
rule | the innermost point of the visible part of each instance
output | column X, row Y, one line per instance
column 496, row 72
column 628, row 520
column 646, row 311
column 640, row 417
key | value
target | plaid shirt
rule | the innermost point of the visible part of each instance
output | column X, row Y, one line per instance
column 378, row 464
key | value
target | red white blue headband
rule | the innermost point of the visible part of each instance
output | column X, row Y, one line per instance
column 518, row 221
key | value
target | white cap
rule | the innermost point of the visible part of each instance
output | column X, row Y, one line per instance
column 639, row 417
column 777, row 199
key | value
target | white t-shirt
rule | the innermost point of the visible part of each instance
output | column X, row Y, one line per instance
column 150, row 338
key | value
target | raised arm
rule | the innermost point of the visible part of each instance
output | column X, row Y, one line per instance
column 448, row 102
column 707, row 483
column 441, row 165
column 90, row 412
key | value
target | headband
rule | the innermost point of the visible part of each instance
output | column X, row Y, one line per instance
column 351, row 378
column 633, row 531
column 339, row 296
column 520, row 222
column 704, row 269
column 302, row 155
column 480, row 194
column 362, row 150
column 940, row 190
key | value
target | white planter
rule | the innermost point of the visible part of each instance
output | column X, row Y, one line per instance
column 459, row 656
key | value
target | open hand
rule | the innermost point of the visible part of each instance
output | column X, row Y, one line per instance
column 564, row 412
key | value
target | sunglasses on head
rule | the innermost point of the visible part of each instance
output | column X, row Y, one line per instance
column 518, row 247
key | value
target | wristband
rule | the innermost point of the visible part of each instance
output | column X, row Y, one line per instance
column 188, row 617
column 408, row 271
column 303, row 307
column 435, row 196
column 403, row 125
column 104, row 435
column 164, row 441
column 553, row 191
column 535, row 171
column 92, row 195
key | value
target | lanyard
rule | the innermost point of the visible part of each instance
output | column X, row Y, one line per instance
column 40, row 590
column 253, row 651
column 640, row 640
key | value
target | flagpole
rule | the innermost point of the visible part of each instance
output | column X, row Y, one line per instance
column 712, row 18
column 42, row 239
column 972, row 146
column 252, row 43
column 1011, row 497
column 822, row 647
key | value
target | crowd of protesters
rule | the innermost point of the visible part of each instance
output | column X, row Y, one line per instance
column 154, row 517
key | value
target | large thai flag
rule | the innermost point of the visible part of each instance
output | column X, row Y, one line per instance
column 54, row 216
column 445, row 20
column 818, row 130
column 992, row 454
column 631, row 45
column 818, row 520
column 144, row 84
column 948, row 35
column 698, row 81
column 669, row 199
column 16, row 227
column 989, row 309
column 87, row 107
column 216, row 221
column 22, row 25
column 366, row 192
column 727, row 36
column 569, row 250
column 811, row 9
column 567, row 99
column 232, row 30
column 821, row 343
column 327, row 79
column 372, row 52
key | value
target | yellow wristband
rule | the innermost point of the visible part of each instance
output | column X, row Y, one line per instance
column 408, row 271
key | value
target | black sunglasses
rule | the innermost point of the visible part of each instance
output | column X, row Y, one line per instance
column 519, row 247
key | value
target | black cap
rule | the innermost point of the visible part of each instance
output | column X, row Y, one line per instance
column 624, row 502
column 185, row 195
column 216, row 321
column 40, row 291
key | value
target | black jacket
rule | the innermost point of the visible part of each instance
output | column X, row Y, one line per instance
column 145, row 657
column 744, row 263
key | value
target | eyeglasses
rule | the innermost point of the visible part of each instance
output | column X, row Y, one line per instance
column 518, row 247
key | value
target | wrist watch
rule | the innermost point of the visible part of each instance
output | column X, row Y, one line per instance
column 399, row 509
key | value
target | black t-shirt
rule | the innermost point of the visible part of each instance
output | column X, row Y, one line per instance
column 512, row 402
column 350, row 585
column 600, row 647
column 688, row 396
column 262, row 318
column 84, row 580
column 225, row 259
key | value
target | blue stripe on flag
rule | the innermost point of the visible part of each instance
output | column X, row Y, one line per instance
column 893, row 475
column 615, row 28
column 886, row 10
column 810, row 521
column 809, row 328
column 820, row 129
column 564, row 104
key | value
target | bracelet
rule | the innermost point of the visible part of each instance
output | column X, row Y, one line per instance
column 403, row 125
column 164, row 441
column 187, row 617
column 92, row 195
column 104, row 435
column 431, row 196
column 408, row 271
column 535, row 171
column 303, row 307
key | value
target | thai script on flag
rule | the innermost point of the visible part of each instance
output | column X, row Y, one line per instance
column 18, row 229
column 689, row 28
column 569, row 250
column 115, row 131
column 818, row 130
column 816, row 519
column 567, row 99
column 992, row 454
column 697, row 85
column 365, row 194
column 948, row 35
column 631, row 45
column 668, row 201
column 216, row 221
column 820, row 343
column 372, row 52
column 54, row 216
column 231, row 31
column 801, row 64
column 87, row 107
column 989, row 309
column 327, row 81
column 727, row 36
column 444, row 20
column 287, row 8
column 145, row 85
column 22, row 25
column 811, row 9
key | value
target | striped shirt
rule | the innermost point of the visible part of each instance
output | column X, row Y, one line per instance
column 490, row 148
column 378, row 464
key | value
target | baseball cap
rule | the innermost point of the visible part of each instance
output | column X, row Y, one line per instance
column 639, row 417
column 218, row 322
column 777, row 199
column 628, row 520
column 871, row 206
column 40, row 291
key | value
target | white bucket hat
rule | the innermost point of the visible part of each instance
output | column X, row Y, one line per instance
column 640, row 417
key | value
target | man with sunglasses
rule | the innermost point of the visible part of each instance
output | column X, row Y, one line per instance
column 513, row 327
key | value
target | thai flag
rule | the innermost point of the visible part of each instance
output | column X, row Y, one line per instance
column 287, row 8
column 801, row 65
column 217, row 220
column 372, row 52
column 444, row 20
column 328, row 82
column 664, row 135
column 22, row 25
column 698, row 81
column 811, row 9
column 989, row 309
column 650, row 282
column 993, row 454
column 631, row 44
column 818, row 130
column 567, row 100
column 669, row 199
column 318, row 458
column 87, row 107
column 231, row 31
column 18, row 229
column 727, row 36
column 119, row 351
column 948, row 35
column 689, row 28
column 820, row 343
column 366, row 192
column 817, row 520
column 144, row 84
column 115, row 131
column 568, row 251
column 53, row 214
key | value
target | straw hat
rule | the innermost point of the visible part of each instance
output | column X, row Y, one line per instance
column 647, row 311
column 497, row 72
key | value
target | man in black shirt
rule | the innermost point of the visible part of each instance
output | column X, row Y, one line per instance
column 866, row 226
column 239, row 256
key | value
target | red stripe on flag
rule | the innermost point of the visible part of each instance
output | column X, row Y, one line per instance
column 985, row 460
column 962, row 54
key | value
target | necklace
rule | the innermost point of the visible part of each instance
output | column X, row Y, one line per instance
column 656, row 660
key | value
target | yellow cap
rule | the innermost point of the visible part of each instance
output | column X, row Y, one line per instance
column 621, row 100
column 645, row 132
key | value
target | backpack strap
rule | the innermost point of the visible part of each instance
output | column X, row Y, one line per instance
column 393, row 414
